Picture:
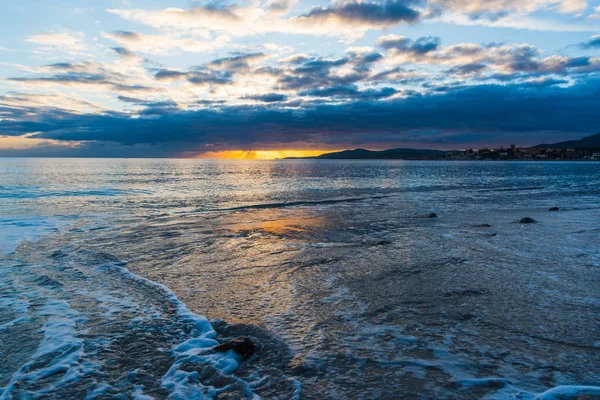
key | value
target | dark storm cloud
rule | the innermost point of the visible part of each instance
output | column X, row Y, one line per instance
column 467, row 69
column 405, row 45
column 350, row 91
column 240, row 62
column 397, row 75
column 84, row 79
column 373, row 13
column 214, row 9
column 122, row 51
column 63, row 66
column 218, row 72
column 526, row 110
column 555, row 65
column 127, row 35
column 592, row 43
column 133, row 100
column 210, row 77
column 197, row 76
column 368, row 59
column 83, row 74
column 152, row 107
column 169, row 74
column 268, row 98
column 316, row 72
column 69, row 77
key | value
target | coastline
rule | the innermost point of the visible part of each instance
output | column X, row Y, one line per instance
column 459, row 308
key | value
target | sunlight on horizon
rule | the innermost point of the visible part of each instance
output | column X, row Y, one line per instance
column 262, row 154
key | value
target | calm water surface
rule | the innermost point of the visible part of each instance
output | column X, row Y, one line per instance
column 118, row 277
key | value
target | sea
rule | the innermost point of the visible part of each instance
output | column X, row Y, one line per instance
column 355, row 279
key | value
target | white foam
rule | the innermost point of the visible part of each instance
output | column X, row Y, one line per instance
column 183, row 385
column 60, row 337
column 14, row 231
column 570, row 392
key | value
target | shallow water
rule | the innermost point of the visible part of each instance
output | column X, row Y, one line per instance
column 112, row 269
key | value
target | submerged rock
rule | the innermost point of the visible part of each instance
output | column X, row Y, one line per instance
column 483, row 226
column 430, row 215
column 527, row 220
column 554, row 209
column 242, row 345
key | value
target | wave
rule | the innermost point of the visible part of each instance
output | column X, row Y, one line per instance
column 180, row 383
column 297, row 203
column 512, row 189
column 77, row 343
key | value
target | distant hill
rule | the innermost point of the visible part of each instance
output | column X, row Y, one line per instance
column 392, row 154
column 588, row 141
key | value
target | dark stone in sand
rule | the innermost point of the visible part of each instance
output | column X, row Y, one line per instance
column 465, row 317
column 483, row 226
column 527, row 220
column 382, row 243
column 554, row 209
column 242, row 345
column 430, row 215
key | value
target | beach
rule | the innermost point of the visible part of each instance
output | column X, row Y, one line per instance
column 355, row 279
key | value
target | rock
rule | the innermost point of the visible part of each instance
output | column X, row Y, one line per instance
column 527, row 220
column 242, row 345
column 554, row 209
column 382, row 243
column 483, row 226
column 430, row 215
column 465, row 317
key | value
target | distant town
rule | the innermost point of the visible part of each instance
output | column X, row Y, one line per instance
column 585, row 149
column 530, row 153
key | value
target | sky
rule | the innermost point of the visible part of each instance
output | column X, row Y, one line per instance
column 265, row 78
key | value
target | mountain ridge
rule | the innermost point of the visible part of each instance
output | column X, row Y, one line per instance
column 587, row 141
column 390, row 154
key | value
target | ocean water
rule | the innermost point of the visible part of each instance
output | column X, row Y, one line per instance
column 118, row 278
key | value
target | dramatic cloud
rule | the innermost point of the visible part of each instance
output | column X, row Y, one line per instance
column 84, row 75
column 593, row 43
column 162, row 44
column 349, row 91
column 240, row 62
column 405, row 45
column 268, row 98
column 219, row 72
column 474, row 59
column 516, row 109
column 282, row 73
column 347, row 19
column 366, row 13
column 501, row 8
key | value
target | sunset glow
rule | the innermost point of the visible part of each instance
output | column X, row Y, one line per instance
column 262, row 154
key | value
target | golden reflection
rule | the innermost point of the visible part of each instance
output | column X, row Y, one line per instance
column 262, row 154
column 275, row 223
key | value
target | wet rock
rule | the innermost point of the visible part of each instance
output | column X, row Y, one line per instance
column 554, row 209
column 430, row 215
column 483, row 226
column 527, row 220
column 242, row 345
column 382, row 243
column 465, row 317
